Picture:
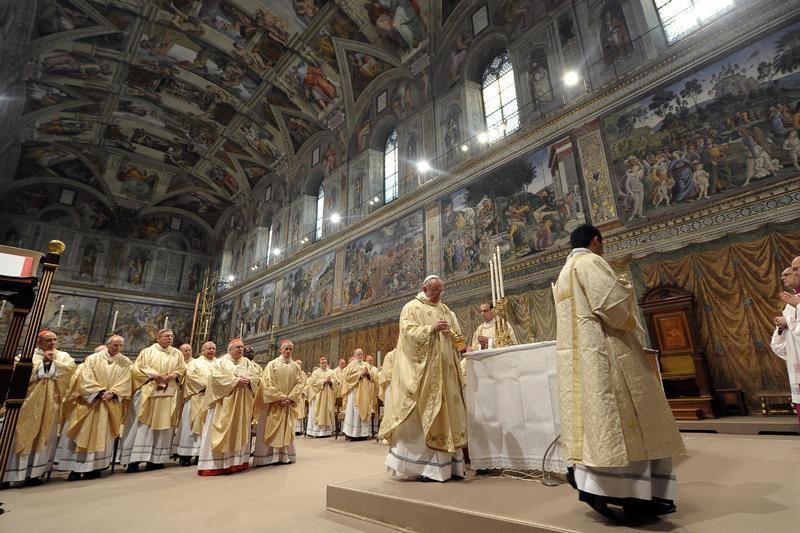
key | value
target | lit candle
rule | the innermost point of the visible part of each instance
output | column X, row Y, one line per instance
column 60, row 316
column 491, row 279
column 114, row 323
column 166, row 322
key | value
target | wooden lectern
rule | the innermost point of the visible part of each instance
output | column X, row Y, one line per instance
column 672, row 325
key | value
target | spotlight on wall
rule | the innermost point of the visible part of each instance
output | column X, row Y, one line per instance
column 571, row 78
column 483, row 137
column 372, row 202
column 376, row 199
column 231, row 277
column 305, row 240
column 336, row 218
column 423, row 166
column 276, row 251
column 464, row 147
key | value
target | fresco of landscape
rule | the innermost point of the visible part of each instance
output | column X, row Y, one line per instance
column 386, row 262
column 730, row 125
column 524, row 206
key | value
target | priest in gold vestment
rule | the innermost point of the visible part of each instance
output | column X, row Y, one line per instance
column 357, row 393
column 425, row 420
column 194, row 410
column 385, row 379
column 230, row 400
column 36, row 436
column 99, row 392
column 616, row 425
column 486, row 330
column 339, row 373
column 277, row 408
column 322, row 387
column 157, row 375
column 299, row 425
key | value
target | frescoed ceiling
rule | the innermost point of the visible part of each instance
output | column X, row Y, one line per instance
column 187, row 105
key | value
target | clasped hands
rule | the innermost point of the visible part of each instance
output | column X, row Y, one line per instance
column 243, row 382
column 789, row 298
column 164, row 379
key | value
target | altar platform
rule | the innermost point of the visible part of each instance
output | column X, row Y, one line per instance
column 730, row 483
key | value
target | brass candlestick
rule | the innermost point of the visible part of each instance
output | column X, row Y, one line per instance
column 501, row 328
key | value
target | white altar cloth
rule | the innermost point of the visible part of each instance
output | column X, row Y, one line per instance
column 512, row 407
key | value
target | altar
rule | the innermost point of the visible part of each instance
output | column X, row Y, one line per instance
column 512, row 407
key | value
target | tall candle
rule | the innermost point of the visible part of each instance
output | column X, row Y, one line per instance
column 2, row 308
column 241, row 329
column 500, row 274
column 491, row 279
column 496, row 276
column 114, row 323
column 60, row 315
column 166, row 322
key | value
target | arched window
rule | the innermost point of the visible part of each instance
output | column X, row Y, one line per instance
column 390, row 169
column 680, row 17
column 499, row 98
column 320, row 212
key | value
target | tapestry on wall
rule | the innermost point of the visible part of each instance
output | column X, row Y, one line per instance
column 385, row 263
column 308, row 291
column 525, row 206
column 731, row 125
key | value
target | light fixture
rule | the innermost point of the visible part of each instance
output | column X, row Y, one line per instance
column 305, row 239
column 231, row 277
column 423, row 166
column 276, row 251
column 372, row 202
column 483, row 137
column 376, row 199
column 571, row 78
column 464, row 147
column 335, row 218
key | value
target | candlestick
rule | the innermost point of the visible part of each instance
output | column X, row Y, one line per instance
column 60, row 315
column 166, row 322
column 114, row 323
column 491, row 279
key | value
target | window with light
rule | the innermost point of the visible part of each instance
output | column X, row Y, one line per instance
column 390, row 169
column 499, row 98
column 320, row 211
column 680, row 17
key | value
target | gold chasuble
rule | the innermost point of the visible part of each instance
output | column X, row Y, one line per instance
column 613, row 411
column 158, row 406
column 281, row 379
column 40, row 413
column 354, row 378
column 323, row 395
column 233, row 404
column 94, row 422
column 198, row 371
column 426, row 377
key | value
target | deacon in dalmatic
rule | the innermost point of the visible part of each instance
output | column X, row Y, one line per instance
column 357, row 393
column 195, row 409
column 277, row 406
column 425, row 420
column 616, row 425
column 322, row 387
column 36, row 434
column 99, row 392
column 230, row 401
column 157, row 376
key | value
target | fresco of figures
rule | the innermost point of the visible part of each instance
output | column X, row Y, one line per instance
column 385, row 263
column 730, row 125
column 139, row 323
column 221, row 325
column 524, row 206
column 255, row 311
column 77, row 315
column 308, row 291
